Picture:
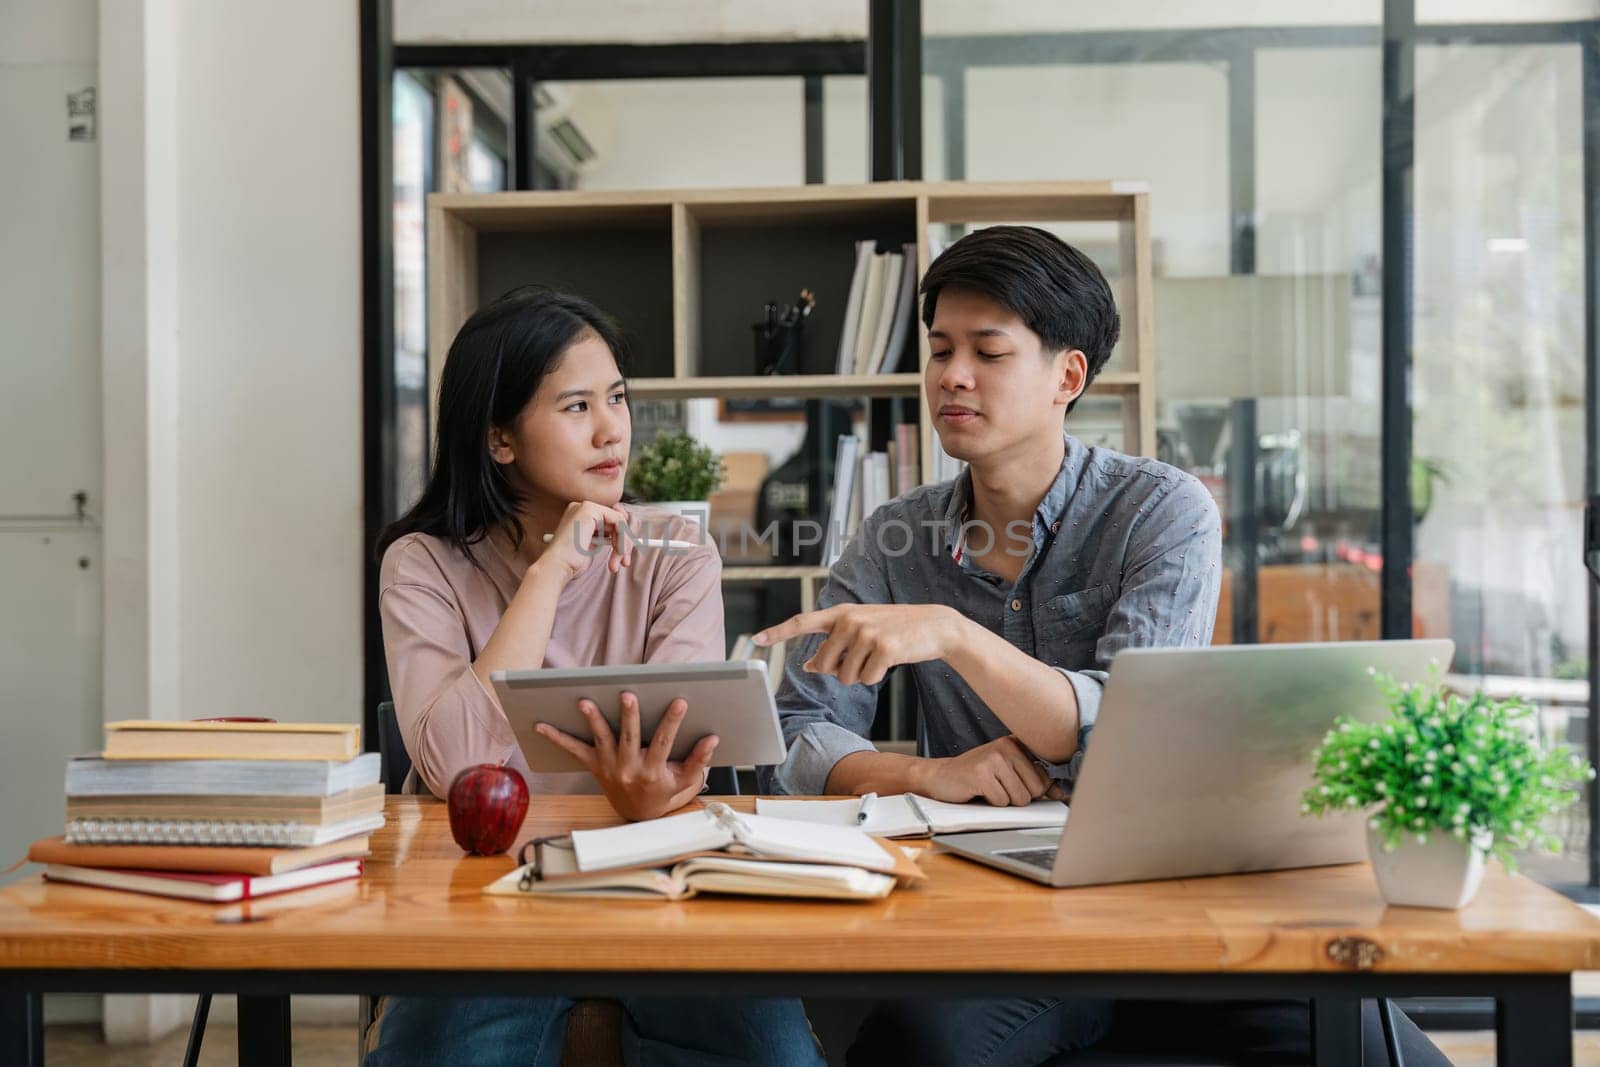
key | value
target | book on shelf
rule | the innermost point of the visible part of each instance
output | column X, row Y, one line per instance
column 844, row 483
column 907, row 467
column 217, row 888
column 945, row 466
column 744, row 648
column 777, row 656
column 681, row 854
column 874, row 483
column 864, row 483
column 879, row 310
column 870, row 357
column 871, row 308
column 313, row 810
column 95, row 776
column 909, row 815
column 771, row 657
column 150, row 739
column 220, row 859
column 889, row 354
column 852, row 308
column 853, row 514
column 263, row 833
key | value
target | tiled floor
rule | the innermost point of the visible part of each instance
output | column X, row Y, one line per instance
column 335, row 1046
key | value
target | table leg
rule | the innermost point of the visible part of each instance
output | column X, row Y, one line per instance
column 1533, row 1022
column 1336, row 1032
column 22, row 1029
column 264, row 1031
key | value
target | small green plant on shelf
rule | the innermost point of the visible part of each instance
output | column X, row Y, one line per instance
column 674, row 467
column 1468, row 767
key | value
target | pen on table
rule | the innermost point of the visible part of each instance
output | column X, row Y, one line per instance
column 865, row 807
column 644, row 542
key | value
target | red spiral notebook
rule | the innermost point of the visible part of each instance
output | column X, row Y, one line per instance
column 217, row 888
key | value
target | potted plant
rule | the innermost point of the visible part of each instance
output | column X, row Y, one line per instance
column 1446, row 781
column 677, row 473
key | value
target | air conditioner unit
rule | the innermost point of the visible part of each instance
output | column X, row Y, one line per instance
column 559, row 142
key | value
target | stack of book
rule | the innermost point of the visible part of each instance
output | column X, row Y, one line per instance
column 879, row 310
column 217, row 811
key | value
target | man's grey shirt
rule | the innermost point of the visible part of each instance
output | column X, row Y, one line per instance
column 1124, row 552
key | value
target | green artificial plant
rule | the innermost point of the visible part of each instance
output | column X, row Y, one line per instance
column 1469, row 767
column 675, row 467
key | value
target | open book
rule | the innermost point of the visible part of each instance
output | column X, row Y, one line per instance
column 716, row 850
column 908, row 815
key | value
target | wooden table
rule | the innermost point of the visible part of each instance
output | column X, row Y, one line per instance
column 417, row 922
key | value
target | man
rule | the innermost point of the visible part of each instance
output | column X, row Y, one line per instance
column 1007, row 592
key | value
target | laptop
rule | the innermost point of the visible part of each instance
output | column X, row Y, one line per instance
column 1198, row 761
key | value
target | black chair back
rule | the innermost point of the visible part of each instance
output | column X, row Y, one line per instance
column 723, row 781
column 392, row 749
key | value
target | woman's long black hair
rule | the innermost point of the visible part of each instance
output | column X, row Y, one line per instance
column 493, row 369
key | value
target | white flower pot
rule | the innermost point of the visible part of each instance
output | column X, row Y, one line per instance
column 1444, row 873
column 697, row 512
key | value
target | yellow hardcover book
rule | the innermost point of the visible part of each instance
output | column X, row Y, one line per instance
column 148, row 739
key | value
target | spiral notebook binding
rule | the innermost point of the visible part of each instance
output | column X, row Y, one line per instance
column 257, row 834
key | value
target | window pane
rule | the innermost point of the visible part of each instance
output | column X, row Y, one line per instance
column 1463, row 11
column 681, row 132
column 1266, row 323
column 1318, row 251
column 413, row 178
column 1499, row 376
column 450, row 133
column 846, row 123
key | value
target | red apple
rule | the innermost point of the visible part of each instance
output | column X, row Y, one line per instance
column 487, row 805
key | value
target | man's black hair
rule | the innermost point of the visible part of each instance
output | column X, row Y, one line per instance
column 1056, row 290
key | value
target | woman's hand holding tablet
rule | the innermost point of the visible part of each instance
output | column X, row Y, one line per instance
column 640, row 782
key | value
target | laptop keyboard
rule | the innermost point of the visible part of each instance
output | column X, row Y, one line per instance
column 1042, row 858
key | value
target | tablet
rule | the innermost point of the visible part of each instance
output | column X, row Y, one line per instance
column 731, row 699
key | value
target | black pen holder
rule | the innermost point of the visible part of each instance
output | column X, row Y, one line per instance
column 777, row 346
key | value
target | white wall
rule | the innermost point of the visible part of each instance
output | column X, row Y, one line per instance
column 231, row 349
column 233, row 331
column 50, row 563
column 269, row 276
column 650, row 134
column 49, row 422
column 47, row 31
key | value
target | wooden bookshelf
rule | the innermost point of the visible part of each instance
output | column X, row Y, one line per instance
column 687, row 271
column 820, row 385
column 769, row 574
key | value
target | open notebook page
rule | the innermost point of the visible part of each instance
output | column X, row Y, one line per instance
column 889, row 816
column 650, row 841
column 907, row 815
column 955, row 818
column 715, row 874
column 768, row 836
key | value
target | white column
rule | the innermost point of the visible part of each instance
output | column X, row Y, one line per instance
column 139, row 344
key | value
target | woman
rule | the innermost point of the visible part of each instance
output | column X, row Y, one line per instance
column 497, row 567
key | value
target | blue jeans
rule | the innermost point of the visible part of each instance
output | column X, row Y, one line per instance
column 997, row 1032
column 656, row 1032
